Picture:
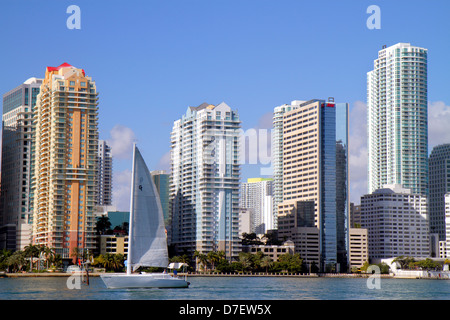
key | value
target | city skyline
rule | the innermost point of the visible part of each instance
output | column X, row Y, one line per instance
column 253, row 55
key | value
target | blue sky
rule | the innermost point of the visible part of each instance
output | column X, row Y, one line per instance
column 153, row 59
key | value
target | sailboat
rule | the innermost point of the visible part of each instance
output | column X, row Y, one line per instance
column 147, row 243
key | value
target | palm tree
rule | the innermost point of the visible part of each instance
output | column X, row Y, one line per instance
column 266, row 262
column 202, row 258
column 31, row 251
column 17, row 260
column 213, row 257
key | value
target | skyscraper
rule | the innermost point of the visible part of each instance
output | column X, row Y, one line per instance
column 277, row 153
column 162, row 184
column 204, row 192
column 315, row 169
column 16, row 197
column 397, row 119
column 65, row 170
column 104, row 174
column 256, row 194
column 439, row 185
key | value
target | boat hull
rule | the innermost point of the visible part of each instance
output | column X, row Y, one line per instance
column 161, row 280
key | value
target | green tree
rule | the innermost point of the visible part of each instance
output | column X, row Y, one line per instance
column 266, row 262
column 245, row 260
column 103, row 225
column 202, row 258
column 30, row 252
column 428, row 264
column 17, row 261
column 4, row 255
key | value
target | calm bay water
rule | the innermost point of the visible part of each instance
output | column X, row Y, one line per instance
column 231, row 288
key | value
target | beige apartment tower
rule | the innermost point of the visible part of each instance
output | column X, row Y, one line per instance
column 65, row 167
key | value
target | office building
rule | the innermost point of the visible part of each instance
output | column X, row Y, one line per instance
column 298, row 225
column 65, row 170
column 315, row 168
column 439, row 185
column 397, row 223
column 205, row 175
column 256, row 194
column 358, row 247
column 16, row 170
column 397, row 104
column 104, row 176
column 162, row 183
column 277, row 153
column 444, row 245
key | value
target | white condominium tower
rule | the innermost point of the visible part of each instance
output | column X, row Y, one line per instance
column 16, row 171
column 397, row 119
column 204, row 190
column 256, row 194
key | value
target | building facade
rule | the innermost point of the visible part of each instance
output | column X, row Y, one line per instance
column 397, row 104
column 17, row 157
column 397, row 223
column 162, row 183
column 358, row 248
column 277, row 153
column 65, row 168
column 256, row 194
column 315, row 168
column 205, row 175
column 104, row 175
column 439, row 185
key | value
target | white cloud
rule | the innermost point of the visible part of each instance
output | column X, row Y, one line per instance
column 164, row 162
column 358, row 151
column 121, row 142
column 438, row 123
column 122, row 189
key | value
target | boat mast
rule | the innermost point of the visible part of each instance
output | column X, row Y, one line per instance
column 130, row 224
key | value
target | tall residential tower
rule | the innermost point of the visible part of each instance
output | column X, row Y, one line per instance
column 65, row 170
column 397, row 119
column 204, row 191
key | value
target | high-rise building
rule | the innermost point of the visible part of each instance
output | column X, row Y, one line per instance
column 162, row 184
column 397, row 223
column 439, row 185
column 17, row 132
column 65, row 169
column 397, row 119
column 277, row 153
column 315, row 168
column 256, row 194
column 104, row 174
column 205, row 175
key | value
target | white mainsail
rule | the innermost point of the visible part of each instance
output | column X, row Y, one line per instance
column 147, row 243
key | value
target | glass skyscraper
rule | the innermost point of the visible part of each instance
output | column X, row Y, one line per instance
column 397, row 101
column 17, row 157
column 315, row 168
column 439, row 185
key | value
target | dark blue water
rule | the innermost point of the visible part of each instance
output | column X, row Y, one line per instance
column 232, row 288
